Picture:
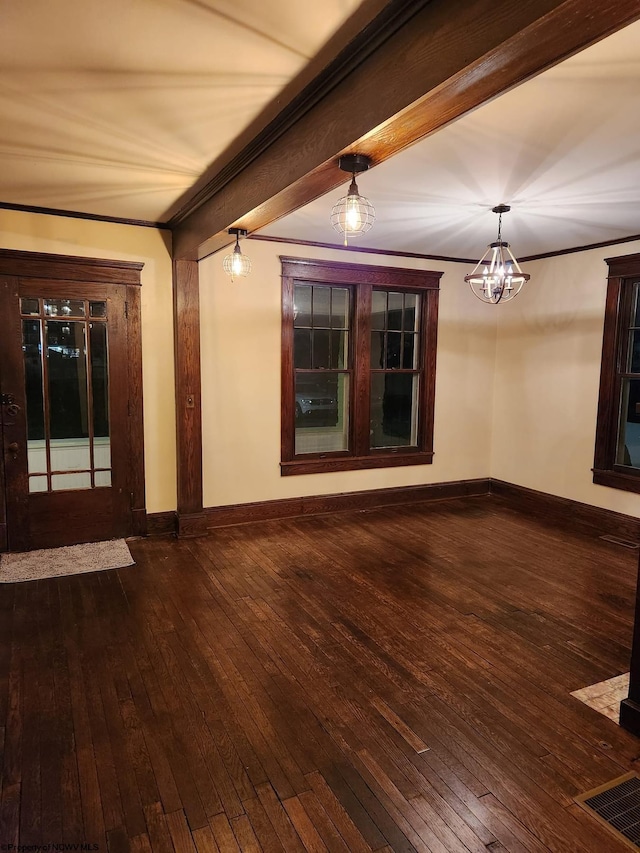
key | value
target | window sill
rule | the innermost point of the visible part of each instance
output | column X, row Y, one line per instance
column 617, row 480
column 355, row 463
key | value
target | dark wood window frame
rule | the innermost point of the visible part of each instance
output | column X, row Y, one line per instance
column 624, row 272
column 361, row 280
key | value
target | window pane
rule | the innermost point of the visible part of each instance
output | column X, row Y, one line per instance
column 396, row 305
column 394, row 410
column 302, row 305
column 99, row 378
column 38, row 484
column 394, row 344
column 37, row 456
column 60, row 482
column 101, row 453
column 339, row 308
column 321, row 307
column 29, row 306
column 70, row 454
column 633, row 361
column 68, row 399
column 64, row 307
column 635, row 311
column 32, row 352
column 379, row 309
column 411, row 306
column 103, row 478
column 302, row 348
column 98, row 309
column 409, row 351
column 339, row 349
column 629, row 429
column 322, row 412
column 377, row 349
column 321, row 348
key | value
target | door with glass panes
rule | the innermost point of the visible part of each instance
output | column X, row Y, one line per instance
column 63, row 379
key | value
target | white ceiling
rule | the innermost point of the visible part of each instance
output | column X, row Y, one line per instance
column 115, row 107
column 563, row 149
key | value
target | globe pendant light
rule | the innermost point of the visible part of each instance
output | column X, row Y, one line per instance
column 353, row 214
column 497, row 277
column 236, row 264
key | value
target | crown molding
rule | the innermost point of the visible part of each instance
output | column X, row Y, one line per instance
column 365, row 250
column 78, row 214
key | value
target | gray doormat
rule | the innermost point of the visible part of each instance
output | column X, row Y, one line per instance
column 70, row 560
column 616, row 805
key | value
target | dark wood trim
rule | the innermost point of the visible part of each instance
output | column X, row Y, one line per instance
column 191, row 524
column 624, row 265
column 337, row 272
column 119, row 281
column 136, row 409
column 428, row 346
column 617, row 480
column 567, row 513
column 601, row 245
column 630, row 716
column 69, row 268
column 365, row 250
column 161, row 523
column 361, row 280
column 355, row 463
column 630, row 707
column 623, row 272
column 445, row 60
column 359, row 415
column 605, row 424
column 186, row 320
column 556, row 511
column 78, row 214
column 14, row 472
column 223, row 516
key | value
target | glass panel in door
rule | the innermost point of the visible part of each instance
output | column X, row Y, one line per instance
column 65, row 350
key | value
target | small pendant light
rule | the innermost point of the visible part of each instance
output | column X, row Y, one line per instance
column 353, row 214
column 497, row 277
column 236, row 264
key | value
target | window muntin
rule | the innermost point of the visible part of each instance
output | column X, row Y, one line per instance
column 358, row 366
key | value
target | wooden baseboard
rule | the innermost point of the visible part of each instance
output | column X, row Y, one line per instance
column 191, row 524
column 563, row 512
column 567, row 513
column 161, row 523
column 630, row 716
column 222, row 516
column 139, row 522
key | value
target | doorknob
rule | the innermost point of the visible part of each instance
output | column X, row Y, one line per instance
column 13, row 448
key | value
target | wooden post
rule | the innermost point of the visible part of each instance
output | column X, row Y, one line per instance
column 630, row 707
column 186, row 319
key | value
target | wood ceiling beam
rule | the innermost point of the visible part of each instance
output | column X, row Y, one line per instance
column 428, row 68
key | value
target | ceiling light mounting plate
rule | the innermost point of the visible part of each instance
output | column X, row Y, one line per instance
column 238, row 232
column 501, row 208
column 354, row 163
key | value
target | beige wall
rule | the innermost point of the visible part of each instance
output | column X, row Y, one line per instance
column 240, row 342
column 516, row 387
column 67, row 236
column 547, row 379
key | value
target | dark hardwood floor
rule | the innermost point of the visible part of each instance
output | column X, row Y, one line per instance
column 390, row 680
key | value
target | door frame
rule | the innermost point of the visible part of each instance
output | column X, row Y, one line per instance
column 23, row 265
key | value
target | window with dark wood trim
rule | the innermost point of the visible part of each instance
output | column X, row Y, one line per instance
column 617, row 453
column 358, row 366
